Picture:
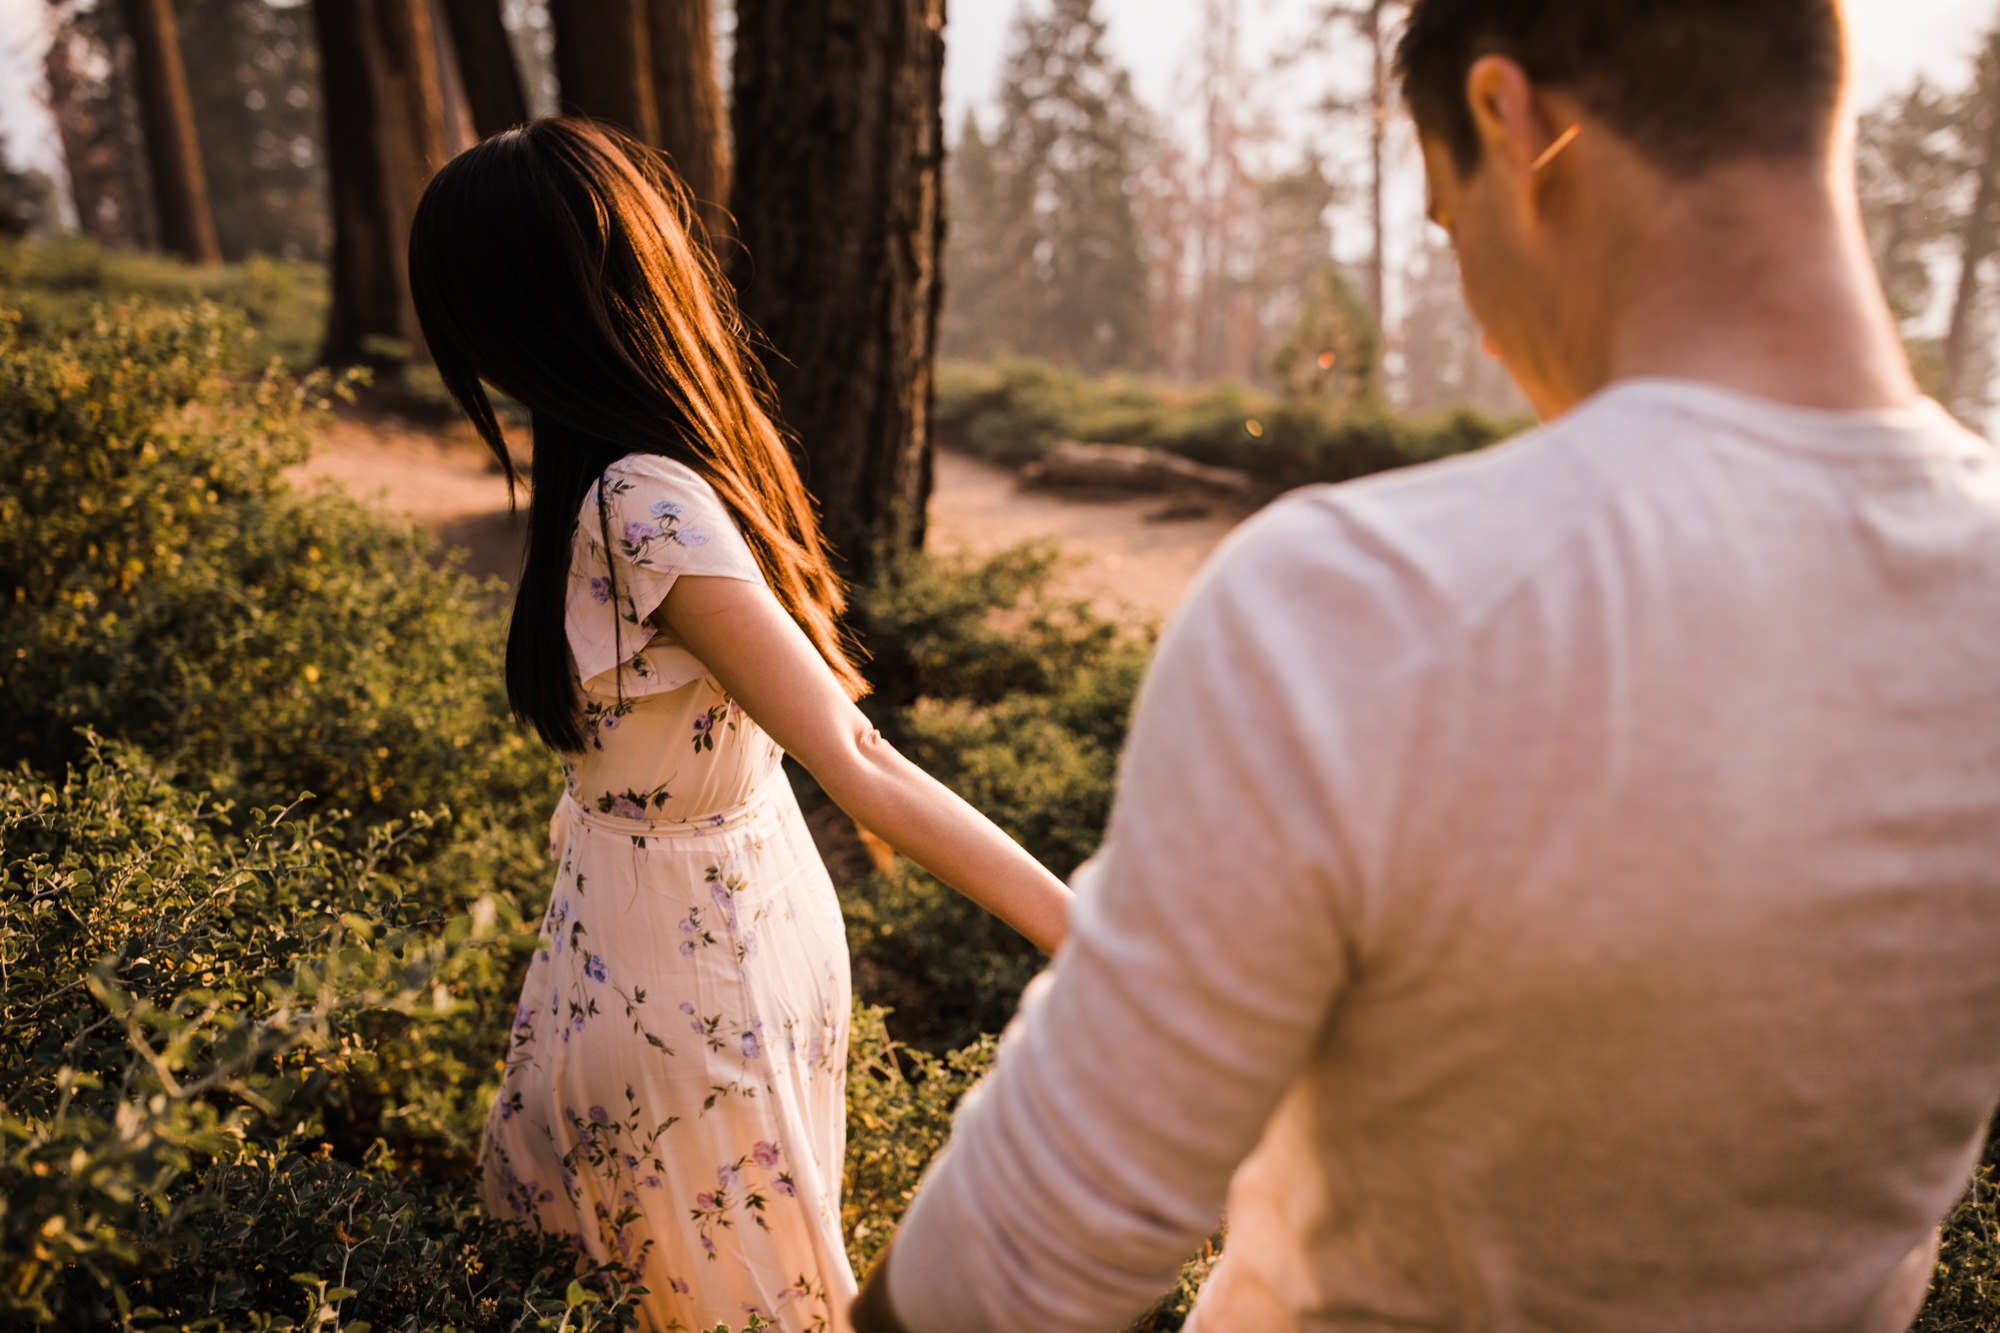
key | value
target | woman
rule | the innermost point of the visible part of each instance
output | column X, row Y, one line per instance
column 673, row 1095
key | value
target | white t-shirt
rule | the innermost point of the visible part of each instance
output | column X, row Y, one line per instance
column 1552, row 889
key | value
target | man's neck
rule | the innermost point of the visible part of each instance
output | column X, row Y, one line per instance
column 1762, row 285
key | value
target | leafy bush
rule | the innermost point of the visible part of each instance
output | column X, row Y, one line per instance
column 1015, row 411
column 183, row 987
column 1019, row 703
column 54, row 283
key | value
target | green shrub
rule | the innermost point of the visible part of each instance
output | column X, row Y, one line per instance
column 1015, row 411
column 184, row 987
column 54, row 283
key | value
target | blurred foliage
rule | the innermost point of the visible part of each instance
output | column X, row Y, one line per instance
column 55, row 283
column 1015, row 411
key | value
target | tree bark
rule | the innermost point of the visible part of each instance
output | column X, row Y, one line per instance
column 384, row 136
column 604, row 66
column 840, row 145
column 688, row 101
column 486, row 65
column 166, row 119
column 1979, row 234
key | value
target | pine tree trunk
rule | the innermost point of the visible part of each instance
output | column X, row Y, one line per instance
column 384, row 136
column 166, row 118
column 840, row 145
column 486, row 65
column 603, row 63
column 1979, row 236
column 692, row 129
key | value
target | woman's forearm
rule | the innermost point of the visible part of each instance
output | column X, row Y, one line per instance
column 929, row 823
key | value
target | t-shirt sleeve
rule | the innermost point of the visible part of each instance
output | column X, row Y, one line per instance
column 648, row 521
column 1209, row 943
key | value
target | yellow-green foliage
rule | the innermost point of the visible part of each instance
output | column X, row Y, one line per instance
column 1014, row 411
column 52, row 282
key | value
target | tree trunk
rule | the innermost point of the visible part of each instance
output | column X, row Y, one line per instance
column 840, row 145
column 384, row 136
column 166, row 119
column 689, row 105
column 1979, row 235
column 486, row 65
column 603, row 63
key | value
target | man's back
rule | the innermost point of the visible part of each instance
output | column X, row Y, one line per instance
column 1596, row 845
column 1673, row 951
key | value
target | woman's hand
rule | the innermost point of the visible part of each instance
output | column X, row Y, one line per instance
column 753, row 647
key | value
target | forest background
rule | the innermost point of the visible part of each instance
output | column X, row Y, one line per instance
column 269, row 863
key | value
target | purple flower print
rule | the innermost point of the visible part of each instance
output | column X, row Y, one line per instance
column 593, row 967
column 704, row 724
column 635, row 531
column 708, row 1245
column 705, row 1201
column 521, row 1016
column 664, row 509
column 627, row 808
column 687, row 928
column 599, row 1116
column 749, row 944
column 600, row 590
column 687, row 948
column 765, row 1153
column 786, row 1188
column 578, row 1025
column 653, row 1183
column 727, row 1176
column 678, row 1285
column 631, row 1163
column 609, row 722
column 752, row 1047
column 725, row 900
column 686, row 1007
column 691, row 537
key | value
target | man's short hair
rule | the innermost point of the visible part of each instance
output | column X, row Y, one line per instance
column 1689, row 83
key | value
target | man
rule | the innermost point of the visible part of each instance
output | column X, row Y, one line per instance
column 1556, row 889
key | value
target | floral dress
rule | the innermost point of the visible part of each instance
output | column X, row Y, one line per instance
column 674, row 1094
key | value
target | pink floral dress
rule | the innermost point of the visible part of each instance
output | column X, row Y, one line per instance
column 675, row 1082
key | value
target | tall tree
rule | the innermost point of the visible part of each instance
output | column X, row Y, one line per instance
column 1371, row 25
column 486, row 64
column 254, row 79
column 173, row 155
column 692, row 126
column 1967, row 342
column 839, row 207
column 384, row 136
column 1066, row 156
column 604, row 66
column 89, row 71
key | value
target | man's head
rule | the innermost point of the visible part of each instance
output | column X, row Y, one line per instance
column 1671, row 101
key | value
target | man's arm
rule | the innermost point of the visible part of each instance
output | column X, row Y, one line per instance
column 1206, row 954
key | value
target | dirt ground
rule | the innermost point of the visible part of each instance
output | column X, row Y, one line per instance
column 1132, row 555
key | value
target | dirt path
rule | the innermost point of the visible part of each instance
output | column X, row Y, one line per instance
column 1127, row 558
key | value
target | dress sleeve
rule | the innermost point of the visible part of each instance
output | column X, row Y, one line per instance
column 648, row 521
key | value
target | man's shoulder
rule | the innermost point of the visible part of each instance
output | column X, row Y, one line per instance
column 1425, row 546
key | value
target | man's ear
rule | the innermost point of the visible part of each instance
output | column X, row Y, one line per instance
column 1501, row 97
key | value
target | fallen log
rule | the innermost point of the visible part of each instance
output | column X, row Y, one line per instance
column 1130, row 469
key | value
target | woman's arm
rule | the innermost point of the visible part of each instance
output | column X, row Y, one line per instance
column 749, row 643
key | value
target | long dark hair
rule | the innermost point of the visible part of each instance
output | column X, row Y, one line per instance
column 561, row 262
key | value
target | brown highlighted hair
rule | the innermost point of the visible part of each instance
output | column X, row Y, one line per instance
column 561, row 262
column 1691, row 84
